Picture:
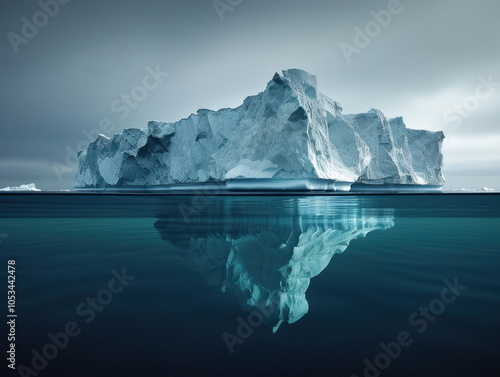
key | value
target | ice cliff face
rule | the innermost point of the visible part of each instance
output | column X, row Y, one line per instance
column 289, row 131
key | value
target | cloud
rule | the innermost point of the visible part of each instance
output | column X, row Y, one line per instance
column 472, row 152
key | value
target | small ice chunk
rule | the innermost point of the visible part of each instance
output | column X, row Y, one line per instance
column 27, row 187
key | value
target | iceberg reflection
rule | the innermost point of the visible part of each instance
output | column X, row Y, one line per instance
column 267, row 261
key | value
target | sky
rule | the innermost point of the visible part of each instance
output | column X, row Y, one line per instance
column 68, row 67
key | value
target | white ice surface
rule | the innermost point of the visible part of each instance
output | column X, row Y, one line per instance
column 289, row 131
column 27, row 187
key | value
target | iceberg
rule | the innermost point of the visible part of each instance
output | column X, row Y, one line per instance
column 289, row 135
column 267, row 261
column 27, row 187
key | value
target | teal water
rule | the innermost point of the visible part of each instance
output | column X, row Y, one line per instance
column 254, row 285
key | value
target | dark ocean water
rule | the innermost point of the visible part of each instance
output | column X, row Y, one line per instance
column 389, row 285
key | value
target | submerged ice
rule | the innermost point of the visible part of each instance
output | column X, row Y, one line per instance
column 267, row 262
column 289, row 131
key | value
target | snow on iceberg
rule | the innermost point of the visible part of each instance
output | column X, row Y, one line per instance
column 289, row 131
column 28, row 187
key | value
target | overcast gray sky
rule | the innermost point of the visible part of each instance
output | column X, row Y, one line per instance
column 429, row 63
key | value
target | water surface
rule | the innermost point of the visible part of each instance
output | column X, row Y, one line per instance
column 257, row 285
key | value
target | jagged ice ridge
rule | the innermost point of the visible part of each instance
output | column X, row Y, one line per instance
column 289, row 131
